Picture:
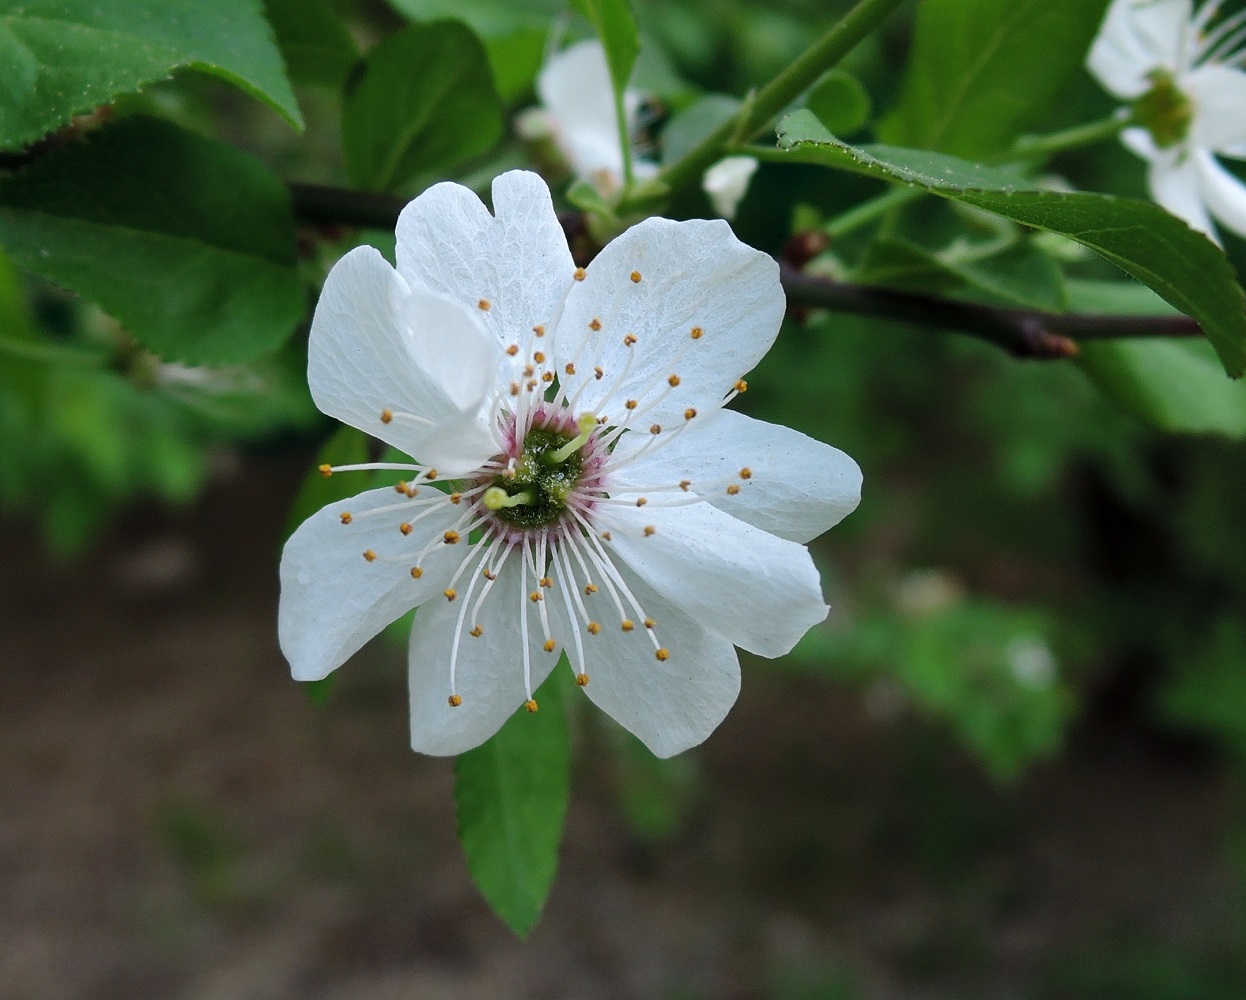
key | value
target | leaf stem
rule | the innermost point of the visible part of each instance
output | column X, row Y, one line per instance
column 1042, row 146
column 866, row 212
column 53, row 354
column 755, row 114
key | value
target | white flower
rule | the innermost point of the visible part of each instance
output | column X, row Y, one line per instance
column 578, row 102
column 727, row 181
column 604, row 502
column 1188, row 90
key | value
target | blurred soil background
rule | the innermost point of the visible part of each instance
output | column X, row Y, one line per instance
column 179, row 819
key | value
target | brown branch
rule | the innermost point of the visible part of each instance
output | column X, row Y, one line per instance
column 1024, row 333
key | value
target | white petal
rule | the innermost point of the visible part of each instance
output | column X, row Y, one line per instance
column 1175, row 183
column 489, row 669
column 1219, row 97
column 670, row 704
column 333, row 600
column 376, row 345
column 727, row 181
column 757, row 590
column 1224, row 194
column 574, row 85
column 1139, row 142
column 516, row 262
column 688, row 274
column 798, row 487
column 1136, row 37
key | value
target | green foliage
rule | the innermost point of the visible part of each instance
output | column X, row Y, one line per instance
column 982, row 71
column 614, row 24
column 1182, row 266
column 512, row 797
column 186, row 241
column 840, row 102
column 314, row 42
column 425, row 102
column 67, row 57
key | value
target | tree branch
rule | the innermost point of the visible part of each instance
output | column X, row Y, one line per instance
column 1024, row 333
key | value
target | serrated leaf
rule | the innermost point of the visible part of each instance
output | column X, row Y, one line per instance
column 189, row 243
column 425, row 102
column 1182, row 266
column 982, row 71
column 314, row 42
column 614, row 24
column 512, row 799
column 59, row 58
column 1175, row 385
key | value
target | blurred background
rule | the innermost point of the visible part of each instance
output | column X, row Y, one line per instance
column 1010, row 764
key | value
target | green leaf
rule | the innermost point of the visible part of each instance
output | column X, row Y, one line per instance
column 982, row 71
column 512, row 799
column 687, row 128
column 1175, row 385
column 347, row 446
column 840, row 101
column 1182, row 266
column 426, row 101
column 66, row 57
column 313, row 40
column 488, row 18
column 187, row 242
column 614, row 24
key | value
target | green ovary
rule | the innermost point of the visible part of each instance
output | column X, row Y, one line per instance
column 1164, row 110
column 536, row 495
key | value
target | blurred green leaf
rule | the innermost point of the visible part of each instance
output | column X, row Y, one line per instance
column 314, row 42
column 515, row 59
column 1207, row 694
column 614, row 24
column 347, row 446
column 66, row 57
column 982, row 71
column 512, row 799
column 1183, row 266
column 488, row 18
column 686, row 129
column 425, row 102
column 840, row 102
column 187, row 242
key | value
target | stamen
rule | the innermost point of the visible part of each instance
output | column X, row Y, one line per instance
column 345, row 517
column 326, row 470
column 662, row 653
column 530, row 705
column 387, row 416
column 496, row 498
column 451, row 538
column 369, row 555
column 450, row 593
column 484, row 305
column 636, row 277
column 455, row 701
column 582, row 680
column 579, row 274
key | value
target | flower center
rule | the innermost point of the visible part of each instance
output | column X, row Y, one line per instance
column 1164, row 110
column 551, row 462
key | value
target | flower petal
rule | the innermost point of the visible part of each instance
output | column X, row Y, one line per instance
column 727, row 181
column 488, row 671
column 1224, row 194
column 574, row 85
column 334, row 599
column 1218, row 94
column 1175, row 184
column 377, row 346
column 512, row 269
column 1136, row 37
column 797, row 487
column 757, row 590
column 643, row 301
column 670, row 704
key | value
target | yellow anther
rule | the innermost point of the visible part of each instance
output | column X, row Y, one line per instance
column 684, row 484
column 582, row 680
column 456, row 498
column 570, row 369
column 545, row 582
column 655, row 428
column 641, row 501
column 579, row 274
column 631, row 404
column 476, row 632
column 594, row 324
column 528, row 371
column 690, row 413
column 326, row 470
column 455, row 701
column 741, row 386
column 405, row 528
column 450, row 593
column 531, row 384
column 697, row 333
column 489, row 574
column 650, row 623
column 451, row 537
column 411, row 491
column 550, row 645
column 483, row 304
column 663, row 654
column 369, row 555
column 593, row 628
column 430, row 475
column 530, row 705
column 598, row 374
column 627, row 625
column 636, row 277
column 733, row 489
column 400, row 487
column 590, row 588
column 416, row 572
column 673, row 380
column 629, row 340
column 513, row 350
column 547, row 377
column 514, row 388
column 345, row 517
column 746, row 473
column 387, row 416
column 539, row 330
column 650, row 530
column 538, row 357
column 535, row 596
column 605, row 536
